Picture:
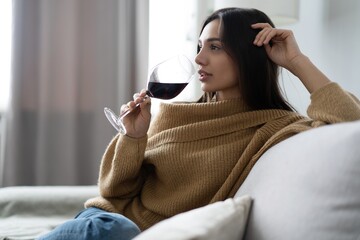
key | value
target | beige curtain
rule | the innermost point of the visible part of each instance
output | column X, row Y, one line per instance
column 71, row 58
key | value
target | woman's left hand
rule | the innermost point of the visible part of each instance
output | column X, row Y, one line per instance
column 283, row 50
column 280, row 44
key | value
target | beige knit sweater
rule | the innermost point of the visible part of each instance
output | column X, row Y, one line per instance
column 200, row 153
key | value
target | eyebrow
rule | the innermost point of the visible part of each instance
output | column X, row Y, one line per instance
column 212, row 40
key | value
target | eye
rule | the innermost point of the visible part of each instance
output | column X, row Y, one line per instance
column 215, row 47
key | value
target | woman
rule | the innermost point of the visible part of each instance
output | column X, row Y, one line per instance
column 198, row 153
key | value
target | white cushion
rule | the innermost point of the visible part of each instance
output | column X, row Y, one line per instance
column 223, row 220
column 307, row 187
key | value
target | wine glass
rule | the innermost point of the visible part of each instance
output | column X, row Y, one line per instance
column 167, row 80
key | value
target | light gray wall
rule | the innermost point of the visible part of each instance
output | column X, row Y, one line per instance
column 328, row 33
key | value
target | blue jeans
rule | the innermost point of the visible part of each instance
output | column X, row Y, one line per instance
column 94, row 223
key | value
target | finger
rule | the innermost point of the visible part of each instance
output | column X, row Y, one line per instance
column 124, row 108
column 265, row 28
column 260, row 25
column 140, row 99
column 131, row 105
column 136, row 95
column 143, row 92
column 270, row 35
column 262, row 36
column 146, row 102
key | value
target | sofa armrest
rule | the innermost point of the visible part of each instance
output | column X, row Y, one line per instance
column 44, row 200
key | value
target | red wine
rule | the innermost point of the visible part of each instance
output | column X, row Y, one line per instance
column 165, row 90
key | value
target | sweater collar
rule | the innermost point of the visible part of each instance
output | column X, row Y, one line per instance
column 173, row 115
column 196, row 112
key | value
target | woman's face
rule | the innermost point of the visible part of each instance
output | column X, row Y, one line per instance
column 218, row 72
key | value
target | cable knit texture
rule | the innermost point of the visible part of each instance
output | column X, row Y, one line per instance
column 200, row 153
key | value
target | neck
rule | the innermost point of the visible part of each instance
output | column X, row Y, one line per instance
column 227, row 95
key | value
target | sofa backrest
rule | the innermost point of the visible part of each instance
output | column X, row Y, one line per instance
column 307, row 187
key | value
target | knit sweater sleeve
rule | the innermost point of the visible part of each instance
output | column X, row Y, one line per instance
column 331, row 104
column 120, row 171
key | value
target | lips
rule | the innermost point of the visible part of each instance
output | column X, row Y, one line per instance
column 203, row 75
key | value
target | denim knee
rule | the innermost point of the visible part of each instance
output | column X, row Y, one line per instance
column 113, row 225
column 94, row 223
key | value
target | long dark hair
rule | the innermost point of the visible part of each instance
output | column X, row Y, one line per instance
column 258, row 80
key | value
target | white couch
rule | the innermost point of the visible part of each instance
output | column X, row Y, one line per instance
column 306, row 187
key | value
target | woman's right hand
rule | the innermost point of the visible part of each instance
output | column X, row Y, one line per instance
column 137, row 121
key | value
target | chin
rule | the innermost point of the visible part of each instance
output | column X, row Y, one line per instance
column 206, row 88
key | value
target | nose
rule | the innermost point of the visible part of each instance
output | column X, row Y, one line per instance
column 200, row 58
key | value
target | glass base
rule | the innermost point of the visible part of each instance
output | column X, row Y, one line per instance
column 115, row 120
